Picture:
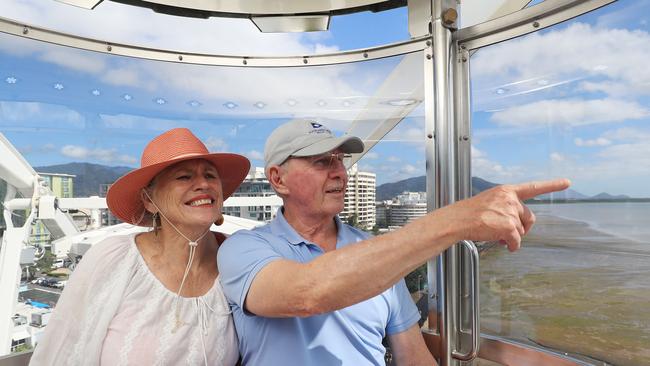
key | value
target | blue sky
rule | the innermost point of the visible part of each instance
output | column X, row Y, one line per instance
column 569, row 101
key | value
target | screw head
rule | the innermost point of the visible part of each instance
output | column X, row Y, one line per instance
column 109, row 48
column 304, row 61
column 180, row 57
column 245, row 62
column 535, row 24
column 25, row 30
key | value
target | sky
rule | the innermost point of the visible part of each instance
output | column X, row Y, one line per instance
column 570, row 100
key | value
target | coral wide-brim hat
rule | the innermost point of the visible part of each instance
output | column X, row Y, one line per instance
column 173, row 146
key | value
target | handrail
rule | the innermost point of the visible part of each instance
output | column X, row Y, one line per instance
column 475, row 320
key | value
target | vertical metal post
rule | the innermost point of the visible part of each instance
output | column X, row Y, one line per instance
column 442, row 170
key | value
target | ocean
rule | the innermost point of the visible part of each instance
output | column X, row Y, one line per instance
column 629, row 220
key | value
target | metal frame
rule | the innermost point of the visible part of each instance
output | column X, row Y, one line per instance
column 528, row 20
column 64, row 39
column 455, row 264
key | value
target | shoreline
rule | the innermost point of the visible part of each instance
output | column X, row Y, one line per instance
column 573, row 288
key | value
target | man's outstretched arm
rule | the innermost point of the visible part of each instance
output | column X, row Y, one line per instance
column 357, row 272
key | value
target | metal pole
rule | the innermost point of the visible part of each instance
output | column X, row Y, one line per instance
column 441, row 166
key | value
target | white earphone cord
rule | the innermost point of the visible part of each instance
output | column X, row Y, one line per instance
column 193, row 244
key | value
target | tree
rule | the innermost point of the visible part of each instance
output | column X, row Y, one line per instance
column 416, row 279
column 353, row 220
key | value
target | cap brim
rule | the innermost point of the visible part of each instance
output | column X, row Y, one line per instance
column 347, row 144
column 123, row 197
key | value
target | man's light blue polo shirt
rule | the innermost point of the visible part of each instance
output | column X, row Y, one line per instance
column 351, row 336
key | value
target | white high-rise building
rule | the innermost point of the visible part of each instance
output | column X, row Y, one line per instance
column 254, row 199
column 360, row 198
column 402, row 209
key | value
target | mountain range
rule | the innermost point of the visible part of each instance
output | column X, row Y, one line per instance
column 387, row 191
column 90, row 176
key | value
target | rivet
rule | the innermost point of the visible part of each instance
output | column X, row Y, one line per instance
column 464, row 59
column 245, row 62
column 365, row 55
column 428, row 57
column 430, row 136
column 465, row 138
column 304, row 61
column 180, row 57
column 535, row 24
column 109, row 48
column 463, row 47
column 25, row 30
column 428, row 43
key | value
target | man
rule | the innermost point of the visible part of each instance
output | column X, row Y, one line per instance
column 307, row 289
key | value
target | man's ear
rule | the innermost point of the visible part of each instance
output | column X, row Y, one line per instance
column 276, row 176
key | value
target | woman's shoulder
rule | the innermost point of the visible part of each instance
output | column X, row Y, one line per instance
column 111, row 247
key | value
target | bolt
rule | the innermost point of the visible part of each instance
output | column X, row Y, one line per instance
column 465, row 138
column 304, row 60
column 25, row 30
column 464, row 58
column 428, row 57
column 428, row 43
column 535, row 24
column 109, row 48
column 180, row 57
column 245, row 62
column 463, row 47
column 430, row 136
column 449, row 16
column 365, row 55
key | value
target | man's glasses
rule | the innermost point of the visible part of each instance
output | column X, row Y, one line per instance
column 328, row 161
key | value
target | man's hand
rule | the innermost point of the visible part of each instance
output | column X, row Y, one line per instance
column 499, row 213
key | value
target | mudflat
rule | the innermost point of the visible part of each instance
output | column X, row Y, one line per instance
column 573, row 289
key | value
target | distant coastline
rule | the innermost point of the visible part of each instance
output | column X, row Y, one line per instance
column 585, row 200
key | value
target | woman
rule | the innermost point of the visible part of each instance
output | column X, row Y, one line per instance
column 153, row 298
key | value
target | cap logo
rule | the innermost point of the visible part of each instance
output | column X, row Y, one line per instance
column 318, row 128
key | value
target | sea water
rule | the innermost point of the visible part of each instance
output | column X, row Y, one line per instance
column 629, row 220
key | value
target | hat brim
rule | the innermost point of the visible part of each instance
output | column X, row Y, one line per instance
column 347, row 144
column 123, row 197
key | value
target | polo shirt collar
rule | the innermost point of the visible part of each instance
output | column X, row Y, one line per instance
column 280, row 227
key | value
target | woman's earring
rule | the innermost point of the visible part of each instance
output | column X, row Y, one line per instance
column 219, row 221
column 155, row 224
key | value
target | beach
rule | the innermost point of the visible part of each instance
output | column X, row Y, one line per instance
column 573, row 289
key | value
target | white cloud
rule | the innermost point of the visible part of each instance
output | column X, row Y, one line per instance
column 371, row 155
column 601, row 141
column 41, row 114
column 105, row 155
column 556, row 157
column 255, row 155
column 627, row 134
column 574, row 112
column 494, row 171
column 576, row 59
column 216, row 144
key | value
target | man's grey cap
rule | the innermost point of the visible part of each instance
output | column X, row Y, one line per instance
column 301, row 137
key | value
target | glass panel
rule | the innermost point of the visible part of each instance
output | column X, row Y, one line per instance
column 571, row 101
column 83, row 118
column 136, row 25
